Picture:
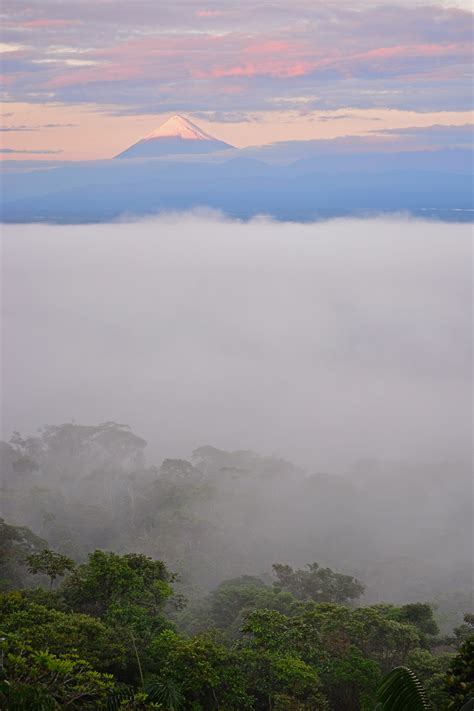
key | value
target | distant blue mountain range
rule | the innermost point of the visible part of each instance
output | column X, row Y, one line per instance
column 243, row 184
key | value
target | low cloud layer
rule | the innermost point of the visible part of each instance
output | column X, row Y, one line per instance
column 326, row 343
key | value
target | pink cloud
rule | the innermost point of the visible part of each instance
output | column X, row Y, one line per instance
column 207, row 56
column 416, row 50
column 273, row 68
column 92, row 75
column 8, row 79
column 270, row 47
column 44, row 23
column 209, row 13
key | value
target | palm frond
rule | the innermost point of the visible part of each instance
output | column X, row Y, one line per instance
column 118, row 696
column 401, row 690
column 165, row 692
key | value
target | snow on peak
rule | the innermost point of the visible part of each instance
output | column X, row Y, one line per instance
column 179, row 127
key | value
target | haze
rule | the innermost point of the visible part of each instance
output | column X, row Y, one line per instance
column 325, row 343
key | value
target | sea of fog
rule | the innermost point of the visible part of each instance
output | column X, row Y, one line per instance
column 326, row 343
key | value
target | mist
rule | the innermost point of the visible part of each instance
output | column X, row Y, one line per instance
column 326, row 343
column 294, row 393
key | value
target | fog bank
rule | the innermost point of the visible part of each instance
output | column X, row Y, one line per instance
column 325, row 343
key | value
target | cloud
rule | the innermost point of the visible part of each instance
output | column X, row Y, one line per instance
column 227, row 116
column 6, row 129
column 436, row 135
column 46, row 23
column 209, row 13
column 23, row 127
column 239, row 57
column 31, row 152
column 323, row 342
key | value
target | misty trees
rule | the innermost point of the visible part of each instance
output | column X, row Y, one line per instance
column 16, row 543
column 258, row 646
column 226, row 606
column 297, row 642
column 318, row 584
column 78, row 449
column 84, row 487
column 49, row 563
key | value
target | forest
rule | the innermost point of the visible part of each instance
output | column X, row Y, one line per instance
column 227, row 581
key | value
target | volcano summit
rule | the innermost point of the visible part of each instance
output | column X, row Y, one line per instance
column 177, row 135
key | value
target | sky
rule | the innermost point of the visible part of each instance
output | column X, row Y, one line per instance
column 83, row 80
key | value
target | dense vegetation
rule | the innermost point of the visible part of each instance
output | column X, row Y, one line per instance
column 88, row 622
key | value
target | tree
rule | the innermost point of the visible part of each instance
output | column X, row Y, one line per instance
column 382, row 638
column 463, row 632
column 318, row 584
column 52, row 564
column 228, row 604
column 282, row 681
column 460, row 677
column 209, row 675
column 349, row 649
column 62, row 632
column 16, row 543
column 127, row 591
column 31, row 679
column 420, row 615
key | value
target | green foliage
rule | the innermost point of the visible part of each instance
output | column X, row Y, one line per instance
column 350, row 649
column 431, row 671
column 208, row 674
column 282, row 680
column 226, row 607
column 401, row 690
column 104, row 639
column 40, row 680
column 62, row 633
column 166, row 693
column 297, row 644
column 419, row 615
column 463, row 632
column 460, row 677
column 350, row 680
column 128, row 590
column 49, row 563
column 317, row 584
column 382, row 638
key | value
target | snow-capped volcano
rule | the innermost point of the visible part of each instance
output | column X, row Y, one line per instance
column 177, row 135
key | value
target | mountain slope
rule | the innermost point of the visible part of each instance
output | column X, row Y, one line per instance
column 177, row 135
